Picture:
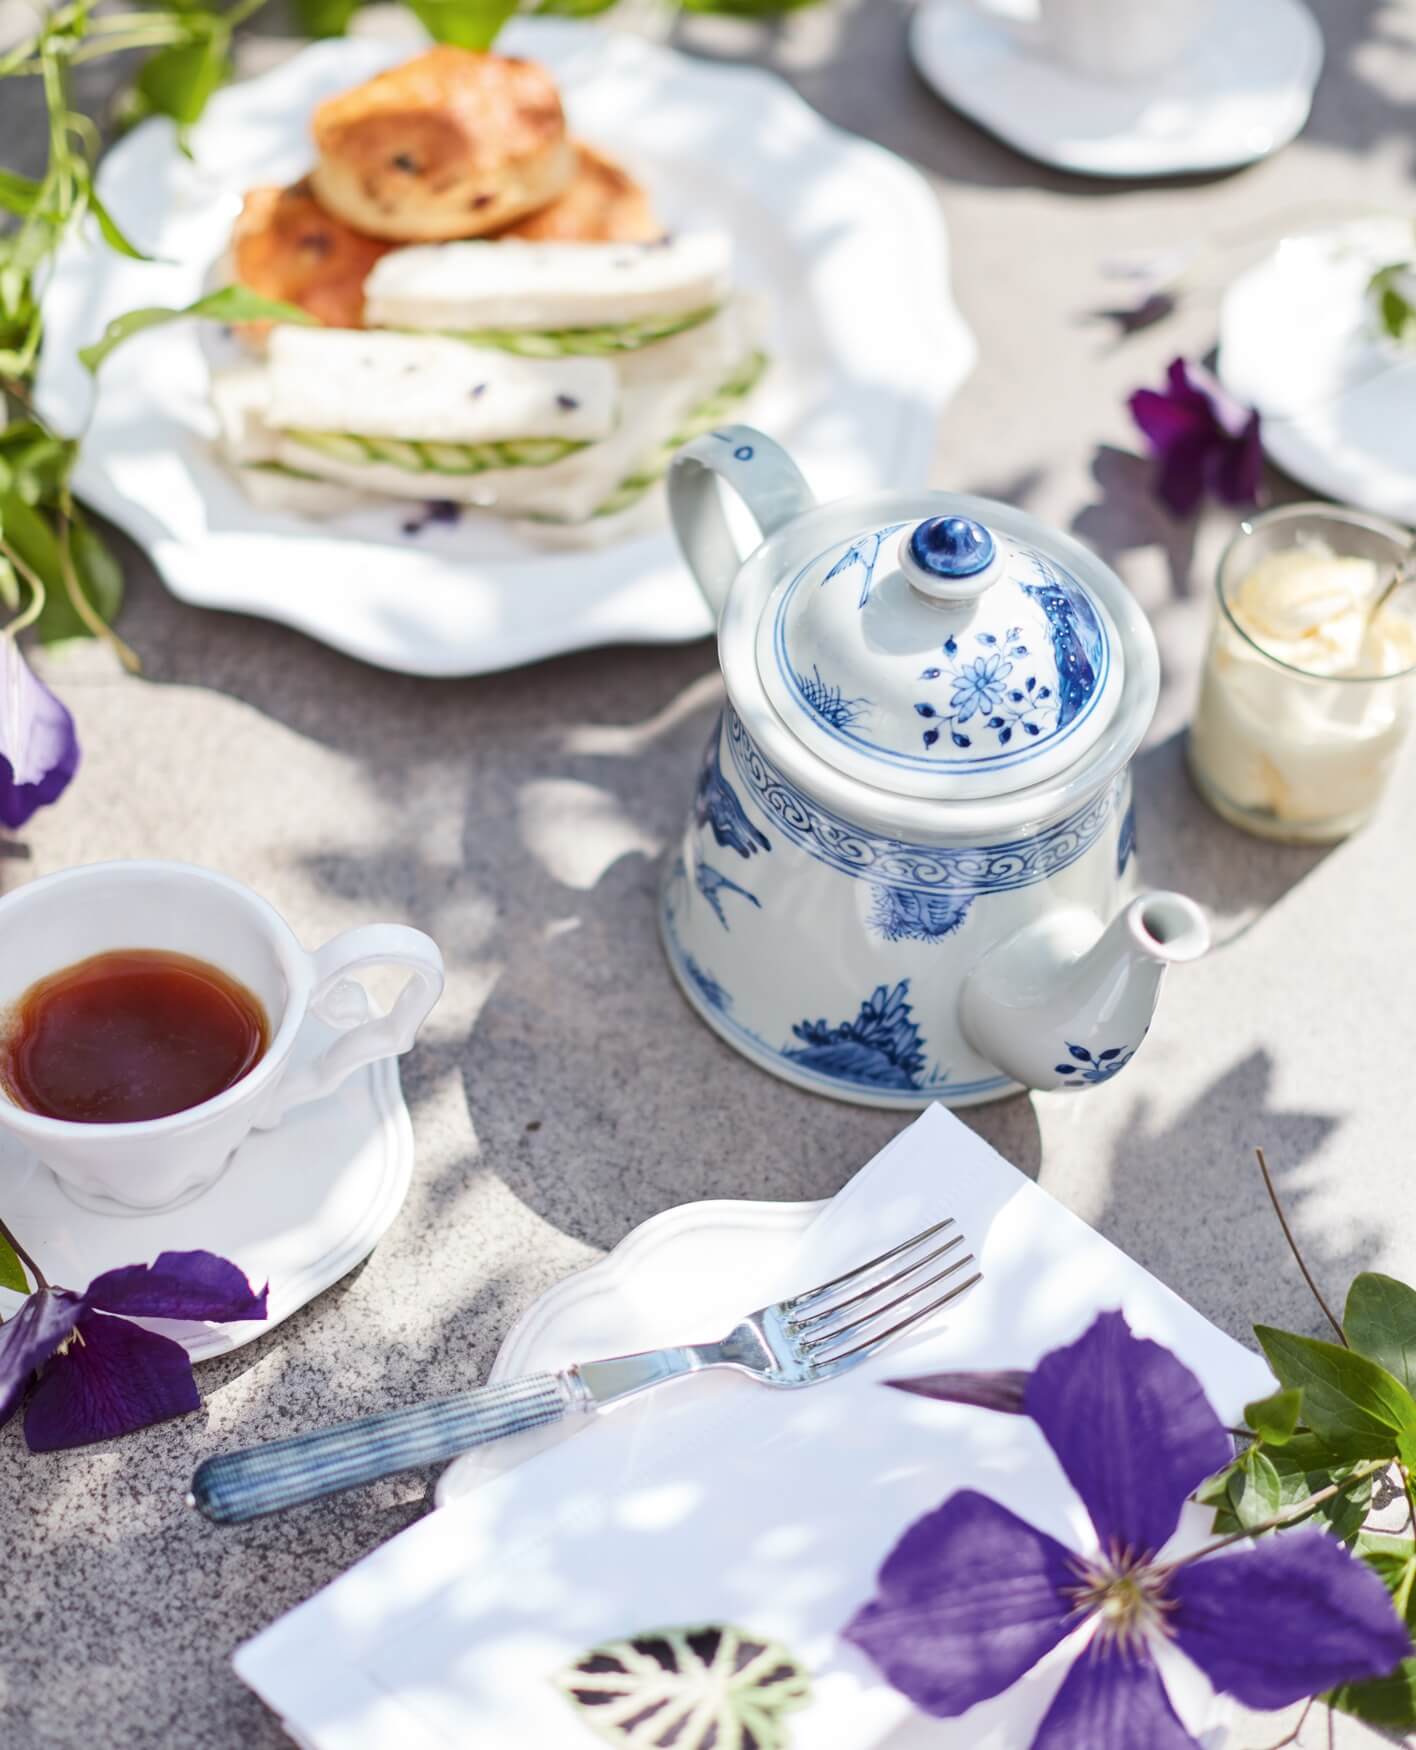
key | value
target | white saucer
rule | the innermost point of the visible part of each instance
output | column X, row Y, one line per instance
column 298, row 1206
column 677, row 1275
column 1338, row 399
column 1240, row 93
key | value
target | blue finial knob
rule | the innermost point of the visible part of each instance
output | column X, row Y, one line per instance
column 951, row 546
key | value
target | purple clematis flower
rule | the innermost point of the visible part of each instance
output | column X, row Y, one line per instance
column 972, row 1597
column 94, row 1373
column 1203, row 439
column 39, row 749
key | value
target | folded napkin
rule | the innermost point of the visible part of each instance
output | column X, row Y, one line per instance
column 716, row 1500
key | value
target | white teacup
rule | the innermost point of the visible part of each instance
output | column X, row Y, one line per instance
column 60, row 919
column 1104, row 39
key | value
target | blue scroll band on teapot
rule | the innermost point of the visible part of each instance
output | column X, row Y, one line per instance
column 961, row 872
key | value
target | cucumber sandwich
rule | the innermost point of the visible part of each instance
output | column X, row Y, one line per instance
column 548, row 300
column 574, row 372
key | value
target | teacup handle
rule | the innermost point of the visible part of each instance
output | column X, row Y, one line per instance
column 338, row 1000
column 764, row 477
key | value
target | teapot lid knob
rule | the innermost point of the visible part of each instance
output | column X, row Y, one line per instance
column 949, row 559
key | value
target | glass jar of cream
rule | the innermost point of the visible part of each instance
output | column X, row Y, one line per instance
column 1307, row 691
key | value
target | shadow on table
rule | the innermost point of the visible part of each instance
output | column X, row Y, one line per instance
column 1183, row 843
column 597, row 1094
column 1183, row 1197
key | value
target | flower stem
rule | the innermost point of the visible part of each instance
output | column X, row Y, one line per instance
column 83, row 607
column 1293, row 1247
column 1289, row 1516
column 40, row 1280
column 37, row 592
column 1296, row 1733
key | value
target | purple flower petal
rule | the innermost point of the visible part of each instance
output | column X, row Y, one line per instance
column 1110, row 1699
column 178, row 1285
column 115, row 1377
column 1182, row 476
column 1166, row 422
column 969, row 1599
column 39, row 748
column 1132, row 1428
column 1286, row 1619
column 1203, row 440
column 1240, row 471
column 29, row 1337
column 988, row 1391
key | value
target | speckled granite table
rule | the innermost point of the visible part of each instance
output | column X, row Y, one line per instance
column 564, row 1092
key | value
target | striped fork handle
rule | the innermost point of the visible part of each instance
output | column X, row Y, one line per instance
column 285, row 1473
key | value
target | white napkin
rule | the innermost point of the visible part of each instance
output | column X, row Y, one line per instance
column 717, row 1500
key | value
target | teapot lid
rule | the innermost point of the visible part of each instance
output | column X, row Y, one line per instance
column 940, row 659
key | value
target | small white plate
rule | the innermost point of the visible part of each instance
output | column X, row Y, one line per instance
column 1338, row 399
column 299, row 1206
column 1243, row 90
column 845, row 241
column 678, row 1275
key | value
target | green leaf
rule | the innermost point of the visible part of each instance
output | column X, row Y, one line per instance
column 12, row 1271
column 325, row 17
column 1214, row 1491
column 1350, row 1402
column 1274, row 1418
column 1387, row 1702
column 100, row 577
column 1255, row 1490
column 1380, row 1323
column 230, row 304
column 17, row 193
column 1395, row 312
column 108, row 229
column 33, row 462
column 32, row 536
column 27, row 531
column 177, row 82
column 1303, row 1467
column 470, row 24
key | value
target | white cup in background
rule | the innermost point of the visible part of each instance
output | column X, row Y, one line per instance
column 53, row 922
column 1104, row 39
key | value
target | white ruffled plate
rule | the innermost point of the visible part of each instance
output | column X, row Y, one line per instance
column 299, row 1206
column 1338, row 399
column 691, row 1268
column 1241, row 91
column 864, row 354
column 718, row 1501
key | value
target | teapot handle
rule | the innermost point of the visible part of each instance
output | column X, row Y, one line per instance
column 761, row 473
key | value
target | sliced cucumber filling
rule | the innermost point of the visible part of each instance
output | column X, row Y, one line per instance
column 434, row 458
column 719, row 406
column 553, row 343
column 284, row 472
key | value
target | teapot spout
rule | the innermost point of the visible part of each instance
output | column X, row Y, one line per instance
column 1065, row 1004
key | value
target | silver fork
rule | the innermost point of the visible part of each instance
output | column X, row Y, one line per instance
column 814, row 1336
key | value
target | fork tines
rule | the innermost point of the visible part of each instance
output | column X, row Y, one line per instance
column 820, row 1318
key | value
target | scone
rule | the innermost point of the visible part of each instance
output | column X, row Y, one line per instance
column 603, row 204
column 285, row 245
column 452, row 144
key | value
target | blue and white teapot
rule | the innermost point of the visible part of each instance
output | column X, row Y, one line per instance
column 904, row 877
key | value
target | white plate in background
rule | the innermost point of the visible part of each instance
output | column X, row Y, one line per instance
column 1240, row 92
column 845, row 240
column 1337, row 399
